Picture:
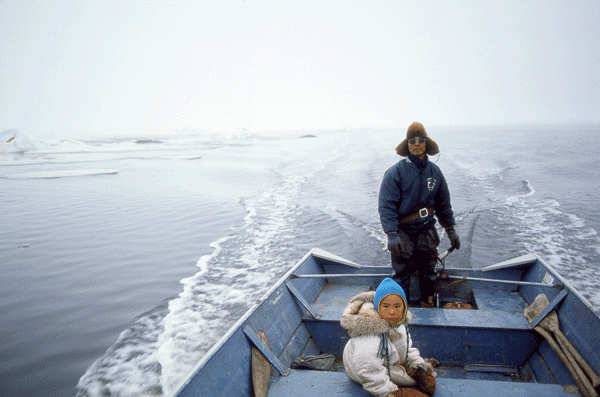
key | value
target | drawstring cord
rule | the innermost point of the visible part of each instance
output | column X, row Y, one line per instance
column 383, row 350
column 384, row 344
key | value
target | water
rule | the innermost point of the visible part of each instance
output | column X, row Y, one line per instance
column 122, row 263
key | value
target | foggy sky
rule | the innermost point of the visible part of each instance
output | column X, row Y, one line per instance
column 154, row 67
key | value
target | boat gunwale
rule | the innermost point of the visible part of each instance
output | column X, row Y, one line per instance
column 239, row 323
column 315, row 252
column 322, row 257
column 566, row 284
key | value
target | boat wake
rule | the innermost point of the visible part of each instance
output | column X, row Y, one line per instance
column 157, row 353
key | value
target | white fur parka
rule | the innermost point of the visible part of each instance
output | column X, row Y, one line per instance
column 362, row 362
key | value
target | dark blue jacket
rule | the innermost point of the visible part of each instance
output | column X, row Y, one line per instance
column 408, row 186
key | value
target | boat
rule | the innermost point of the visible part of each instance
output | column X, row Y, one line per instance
column 499, row 344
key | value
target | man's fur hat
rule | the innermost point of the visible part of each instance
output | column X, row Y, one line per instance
column 417, row 129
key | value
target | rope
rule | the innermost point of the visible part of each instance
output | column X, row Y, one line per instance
column 384, row 352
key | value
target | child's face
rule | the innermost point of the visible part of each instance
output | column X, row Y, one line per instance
column 391, row 308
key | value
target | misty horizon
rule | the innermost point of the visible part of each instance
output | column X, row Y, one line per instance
column 146, row 69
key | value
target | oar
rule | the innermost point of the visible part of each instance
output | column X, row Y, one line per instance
column 552, row 324
column 580, row 360
column 571, row 362
column 572, row 367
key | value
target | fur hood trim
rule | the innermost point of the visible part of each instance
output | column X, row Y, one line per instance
column 360, row 317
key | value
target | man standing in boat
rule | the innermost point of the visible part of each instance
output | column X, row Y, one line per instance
column 412, row 191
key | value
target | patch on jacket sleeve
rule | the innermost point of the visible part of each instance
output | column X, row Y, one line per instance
column 431, row 184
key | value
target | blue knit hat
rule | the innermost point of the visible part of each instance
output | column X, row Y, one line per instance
column 387, row 287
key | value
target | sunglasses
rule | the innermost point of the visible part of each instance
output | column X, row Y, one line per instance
column 413, row 141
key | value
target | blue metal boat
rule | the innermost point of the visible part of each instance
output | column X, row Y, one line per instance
column 491, row 349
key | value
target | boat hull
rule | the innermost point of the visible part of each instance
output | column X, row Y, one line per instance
column 490, row 349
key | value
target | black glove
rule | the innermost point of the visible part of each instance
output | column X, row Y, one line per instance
column 393, row 240
column 454, row 240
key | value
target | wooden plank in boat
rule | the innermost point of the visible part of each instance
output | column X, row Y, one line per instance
column 261, row 368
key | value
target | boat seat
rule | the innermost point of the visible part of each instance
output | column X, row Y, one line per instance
column 497, row 310
column 501, row 333
column 326, row 384
column 491, row 319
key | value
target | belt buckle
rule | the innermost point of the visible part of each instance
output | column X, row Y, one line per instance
column 423, row 212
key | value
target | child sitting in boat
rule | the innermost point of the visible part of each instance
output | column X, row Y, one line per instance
column 379, row 354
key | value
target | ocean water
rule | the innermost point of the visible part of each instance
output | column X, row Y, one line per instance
column 123, row 261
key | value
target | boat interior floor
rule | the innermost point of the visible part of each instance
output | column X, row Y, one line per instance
column 326, row 384
column 490, row 350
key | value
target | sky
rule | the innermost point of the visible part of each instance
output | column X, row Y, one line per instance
column 103, row 68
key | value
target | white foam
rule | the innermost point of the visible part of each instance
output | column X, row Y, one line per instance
column 224, row 288
column 225, row 285
column 139, row 363
column 130, row 365
column 561, row 238
column 530, row 189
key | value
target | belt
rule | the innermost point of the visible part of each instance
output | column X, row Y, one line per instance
column 422, row 213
